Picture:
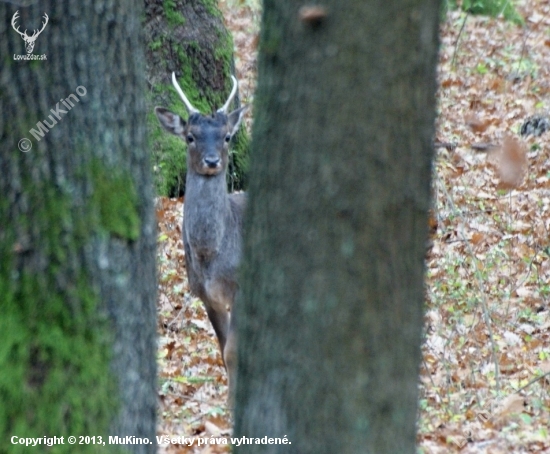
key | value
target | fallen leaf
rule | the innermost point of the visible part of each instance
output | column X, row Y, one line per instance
column 477, row 124
column 511, row 162
column 512, row 404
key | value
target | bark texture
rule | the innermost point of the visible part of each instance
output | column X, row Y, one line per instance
column 330, row 319
column 77, row 236
column 188, row 37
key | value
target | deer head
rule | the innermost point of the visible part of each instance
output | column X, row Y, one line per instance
column 29, row 40
column 207, row 136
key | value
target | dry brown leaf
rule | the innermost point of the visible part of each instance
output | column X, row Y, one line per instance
column 497, row 85
column 212, row 429
column 449, row 82
column 512, row 404
column 511, row 163
column 432, row 223
column 477, row 237
column 477, row 124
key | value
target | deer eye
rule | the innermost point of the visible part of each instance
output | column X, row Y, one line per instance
column 190, row 138
column 227, row 138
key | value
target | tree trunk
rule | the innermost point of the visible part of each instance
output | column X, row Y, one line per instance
column 77, row 238
column 330, row 319
column 188, row 37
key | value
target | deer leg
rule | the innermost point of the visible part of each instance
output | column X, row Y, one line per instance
column 224, row 326
column 222, row 295
column 230, row 358
column 220, row 322
column 219, row 299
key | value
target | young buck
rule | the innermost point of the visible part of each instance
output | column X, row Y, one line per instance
column 212, row 218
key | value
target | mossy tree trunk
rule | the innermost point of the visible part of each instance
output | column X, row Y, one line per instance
column 188, row 37
column 77, row 236
column 330, row 319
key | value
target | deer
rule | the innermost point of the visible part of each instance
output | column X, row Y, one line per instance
column 212, row 218
column 29, row 40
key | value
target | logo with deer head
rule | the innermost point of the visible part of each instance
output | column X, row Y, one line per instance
column 29, row 40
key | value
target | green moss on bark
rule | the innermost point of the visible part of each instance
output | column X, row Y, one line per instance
column 212, row 7
column 173, row 16
column 55, row 341
column 237, row 175
column 115, row 200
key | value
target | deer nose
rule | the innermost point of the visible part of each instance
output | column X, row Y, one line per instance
column 212, row 162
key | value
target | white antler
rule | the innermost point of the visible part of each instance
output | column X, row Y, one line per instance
column 188, row 105
column 13, row 20
column 224, row 108
column 36, row 32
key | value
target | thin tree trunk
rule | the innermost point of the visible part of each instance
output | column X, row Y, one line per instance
column 77, row 236
column 330, row 319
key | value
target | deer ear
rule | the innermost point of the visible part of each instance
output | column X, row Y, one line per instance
column 170, row 121
column 235, row 119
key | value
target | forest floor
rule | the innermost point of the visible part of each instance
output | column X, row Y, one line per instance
column 485, row 374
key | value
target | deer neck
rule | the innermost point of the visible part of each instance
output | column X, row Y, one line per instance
column 206, row 209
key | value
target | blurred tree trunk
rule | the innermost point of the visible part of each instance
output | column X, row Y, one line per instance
column 188, row 37
column 330, row 319
column 77, row 237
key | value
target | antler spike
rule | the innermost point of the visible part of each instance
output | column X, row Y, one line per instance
column 44, row 24
column 224, row 108
column 14, row 20
column 188, row 105
column 35, row 33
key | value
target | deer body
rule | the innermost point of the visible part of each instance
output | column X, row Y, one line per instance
column 212, row 220
column 212, row 225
